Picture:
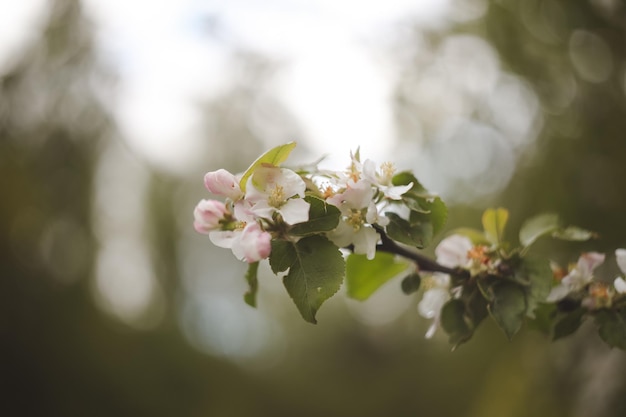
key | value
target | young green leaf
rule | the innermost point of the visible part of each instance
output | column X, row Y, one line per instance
column 274, row 156
column 508, row 307
column 322, row 218
column 253, row 284
column 573, row 233
column 536, row 227
column 316, row 270
column 364, row 276
column 494, row 222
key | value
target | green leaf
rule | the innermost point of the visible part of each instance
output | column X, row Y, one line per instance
column 508, row 307
column 411, row 283
column 612, row 327
column 315, row 273
column 416, row 198
column 253, row 284
column 406, row 178
column 364, row 276
column 538, row 274
column 437, row 214
column 573, row 233
column 274, row 156
column 454, row 323
column 536, row 227
column 282, row 255
column 415, row 232
column 543, row 318
column 323, row 217
column 569, row 324
column 494, row 222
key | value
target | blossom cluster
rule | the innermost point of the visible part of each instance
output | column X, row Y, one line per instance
column 263, row 206
column 579, row 281
column 300, row 218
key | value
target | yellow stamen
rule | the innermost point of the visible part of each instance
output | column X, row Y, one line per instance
column 355, row 219
column 277, row 196
column 387, row 169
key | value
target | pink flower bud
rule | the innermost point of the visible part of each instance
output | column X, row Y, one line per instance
column 222, row 182
column 207, row 215
column 253, row 244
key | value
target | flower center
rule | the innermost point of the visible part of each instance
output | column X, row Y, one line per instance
column 277, row 196
column 387, row 169
column 478, row 254
column 355, row 219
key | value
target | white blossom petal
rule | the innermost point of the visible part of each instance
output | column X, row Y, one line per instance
column 432, row 302
column 620, row 257
column 295, row 211
column 452, row 251
column 620, row 285
column 558, row 293
column 223, row 238
column 365, row 240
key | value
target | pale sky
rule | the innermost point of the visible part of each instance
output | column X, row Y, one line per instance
column 332, row 80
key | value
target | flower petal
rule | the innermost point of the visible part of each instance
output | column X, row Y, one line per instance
column 620, row 285
column 295, row 210
column 452, row 251
column 588, row 262
column 558, row 293
column 620, row 257
column 365, row 240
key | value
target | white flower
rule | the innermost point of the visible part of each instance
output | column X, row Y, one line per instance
column 433, row 300
column 578, row 277
column 277, row 190
column 382, row 179
column 620, row 283
column 453, row 251
column 358, row 213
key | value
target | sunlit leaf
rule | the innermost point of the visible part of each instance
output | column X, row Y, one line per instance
column 494, row 221
column 274, row 156
column 573, row 233
column 536, row 227
column 364, row 276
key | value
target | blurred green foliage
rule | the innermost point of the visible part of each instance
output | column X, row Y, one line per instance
column 61, row 356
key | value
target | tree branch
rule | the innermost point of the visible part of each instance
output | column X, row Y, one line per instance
column 424, row 263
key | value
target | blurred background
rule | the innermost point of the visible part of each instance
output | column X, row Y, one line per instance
column 112, row 111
